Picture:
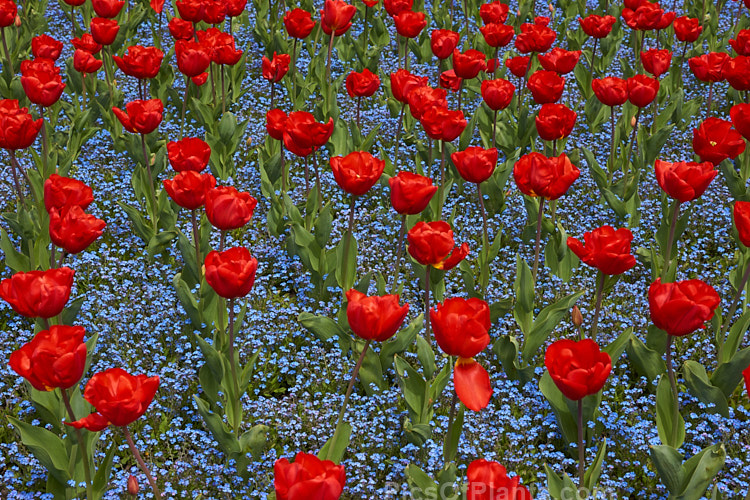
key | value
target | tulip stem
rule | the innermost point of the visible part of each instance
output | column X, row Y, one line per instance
column 611, row 166
column 525, row 78
column 184, row 106
column 233, row 363
column 581, row 450
column 73, row 20
column 45, row 144
column 293, row 69
column 359, row 103
column 307, row 179
column 494, row 130
column 675, row 393
column 537, row 245
column 141, row 463
column 451, row 421
column 593, row 56
column 16, row 166
column 273, row 89
column 328, row 64
column 398, row 130
column 224, row 91
column 196, row 240
column 399, row 253
column 107, row 68
column 628, row 160
column 485, row 272
column 442, row 180
column 367, row 26
column 81, row 445
column 348, row 246
column 222, row 240
column 710, row 96
column 63, row 254
column 284, row 169
column 7, row 52
column 348, row 394
column 317, row 180
column 460, row 88
column 670, row 239
column 151, row 192
column 427, row 303
column 598, row 307
column 730, row 314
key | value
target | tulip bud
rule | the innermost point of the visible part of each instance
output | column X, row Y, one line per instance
column 551, row 8
column 17, row 21
column 576, row 316
column 518, row 13
column 249, row 141
column 633, row 121
column 133, row 485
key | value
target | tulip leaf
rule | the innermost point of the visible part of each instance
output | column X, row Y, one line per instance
column 735, row 337
column 421, row 485
column 47, row 447
column 697, row 382
column 426, row 356
column 646, row 361
column 560, row 487
column 545, row 322
column 665, row 416
column 370, row 373
column 104, row 471
column 400, row 342
column 565, row 419
column 729, row 374
column 254, row 440
column 336, row 453
column 14, row 259
column 413, row 386
column 668, row 462
column 591, row 477
column 346, row 258
column 221, row 433
column 700, row 470
column 524, row 290
column 187, row 300
column 450, row 445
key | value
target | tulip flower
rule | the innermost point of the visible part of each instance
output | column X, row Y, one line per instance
column 409, row 24
column 188, row 189
column 468, row 64
column 192, row 57
column 140, row 117
column 303, row 134
column 559, row 60
column 308, row 477
column 140, row 62
column 535, row 38
column 442, row 124
column 475, row 164
column 190, row 10
column 597, row 26
column 715, row 140
column 181, row 29
column 656, row 61
column 684, row 181
column 611, row 91
column 275, row 68
column 423, row 98
column 357, row 172
column 489, row 481
column 104, row 30
column 741, row 214
column 493, row 12
column 443, row 43
column 462, row 329
column 38, row 294
column 374, row 318
column 736, row 71
column 335, row 19
column 642, row 90
column 746, row 374
column 432, row 244
column 740, row 115
column 606, row 249
column 709, row 67
column 18, row 129
column 410, row 193
column 227, row 208
column 190, row 153
column 403, row 82
column 231, row 273
column 108, row 9
column 497, row 35
column 41, row 81
column 687, row 29
column 449, row 81
column 63, row 192
column 54, row 358
column 741, row 43
column 73, row 230
column 518, row 65
column 546, row 86
column 45, row 47
column 298, row 23
column 361, row 85
column 683, row 307
column 395, row 7
column 555, row 121
column 85, row 62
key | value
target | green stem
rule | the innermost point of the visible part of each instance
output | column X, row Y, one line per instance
column 675, row 394
column 451, row 421
column 151, row 192
column 538, row 238
column 141, row 463
column 14, row 167
column 628, row 159
column 598, row 308
column 233, row 362
column 427, row 303
column 81, row 446
column 348, row 242
column 399, row 253
column 328, row 64
column 196, row 239
column 730, row 314
column 442, row 180
column 7, row 52
column 485, row 241
column 348, row 394
column 223, row 91
column 670, row 239
column 184, row 106
column 45, row 144
column 581, row 450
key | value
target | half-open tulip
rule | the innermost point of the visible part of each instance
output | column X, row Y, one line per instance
column 38, row 294
column 578, row 369
column 188, row 189
column 190, row 153
column 432, row 244
column 410, row 193
column 140, row 117
column 489, row 481
column 227, row 208
column 73, row 230
column 475, row 164
column 606, row 249
column 715, row 140
column 537, row 175
column 682, row 307
column 374, row 318
column 684, row 181
column 231, row 273
column 308, row 477
column 52, row 358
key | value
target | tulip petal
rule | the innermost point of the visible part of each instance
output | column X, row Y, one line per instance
column 95, row 422
column 472, row 384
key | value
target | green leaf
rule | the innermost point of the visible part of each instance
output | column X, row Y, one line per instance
column 254, row 441
column 187, row 299
column 400, row 342
column 565, row 419
column 14, row 259
column 104, row 471
column 616, row 348
column 426, row 356
column 337, row 453
column 46, row 447
column 665, row 412
column 545, row 322
column 697, row 382
column 421, row 485
column 646, row 361
column 450, row 445
column 591, row 476
column 728, row 375
column 370, row 373
column 668, row 462
column 346, row 258
column 322, row 327
column 700, row 470
column 221, row 433
column 413, row 386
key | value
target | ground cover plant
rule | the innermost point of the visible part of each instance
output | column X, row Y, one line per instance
column 375, row 249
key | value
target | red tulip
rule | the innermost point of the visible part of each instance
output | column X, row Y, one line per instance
column 200, row 79
column 54, row 358
column 410, row 193
column 443, row 43
column 357, row 172
column 535, row 38
column 656, row 61
column 298, row 23
column 214, row 11
column 190, row 10
column 362, row 84
column 546, row 86
column 140, row 117
column 493, row 12
column 275, row 69
column 303, row 134
column 518, row 65
column 642, row 90
column 409, row 24
column 432, row 244
column 228, row 208
column 687, row 29
column 467, row 65
column 104, row 30
column 555, row 121
column 44, row 46
column 41, row 81
column 489, row 481
column 8, row 13
column 423, row 98
column 73, row 230
column 85, row 62
column 336, row 17
column 63, row 192
column 683, row 307
column 443, row 124
column 647, row 17
column 18, row 129
column 190, row 153
column 611, row 91
column 38, row 294
column 715, row 140
column 708, row 67
column 462, row 329
column 746, row 374
column 684, row 181
column 181, row 29
column 737, row 72
column 497, row 93
column 157, row 5
column 374, row 318
column 370, row 3
column 192, row 57
column 188, row 189
column 597, row 26
column 221, row 46
column 559, row 60
column 606, row 249
column 741, row 213
column 108, row 9
column 118, row 397
column 140, row 62
column 308, row 477
column 87, row 43
column 449, row 80
column 740, row 115
column 475, row 164
column 497, row 34
column 741, row 44
column 276, row 123
column 537, row 175
column 395, row 7
column 403, row 82
column 578, row 369
column 231, row 273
